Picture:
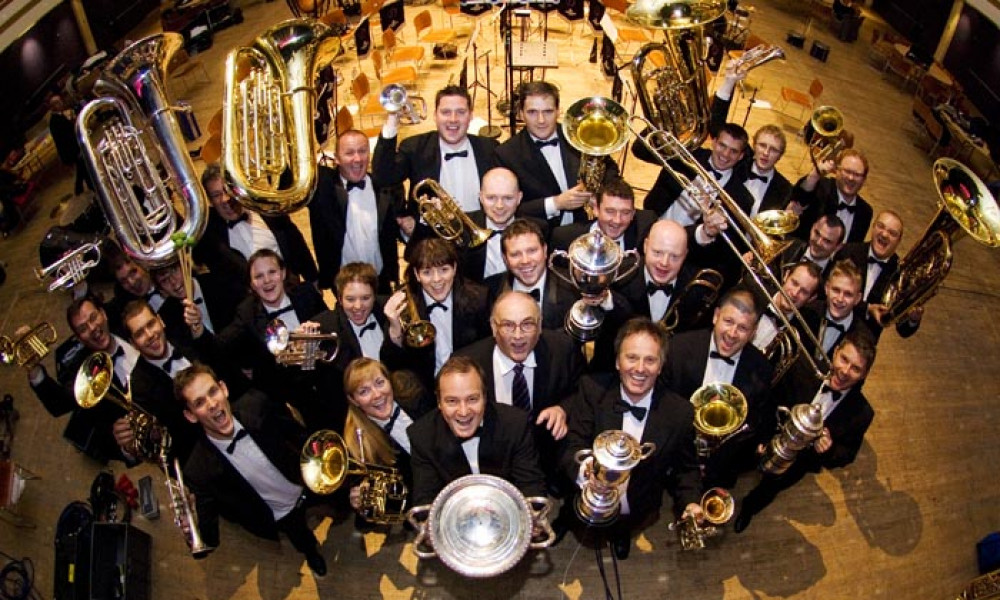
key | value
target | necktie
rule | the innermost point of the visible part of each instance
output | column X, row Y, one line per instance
column 242, row 218
column 652, row 288
column 536, row 294
column 392, row 420
column 751, row 176
column 833, row 393
column 716, row 174
column 274, row 314
column 848, row 207
column 242, row 433
column 369, row 327
column 835, row 325
column 520, row 397
column 726, row 359
column 541, row 144
column 433, row 305
column 359, row 185
column 621, row 407
column 168, row 365
column 874, row 261
column 451, row 155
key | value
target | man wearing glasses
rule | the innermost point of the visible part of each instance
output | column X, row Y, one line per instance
column 815, row 195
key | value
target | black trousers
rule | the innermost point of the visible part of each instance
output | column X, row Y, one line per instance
column 770, row 485
column 294, row 526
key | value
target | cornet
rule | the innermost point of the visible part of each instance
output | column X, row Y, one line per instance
column 718, row 506
column 446, row 217
column 395, row 99
column 417, row 333
column 71, row 268
column 29, row 349
column 300, row 349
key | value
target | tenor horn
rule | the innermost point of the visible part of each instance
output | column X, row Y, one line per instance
column 395, row 99
column 268, row 139
column 965, row 205
column 71, row 268
column 720, row 412
column 133, row 146
column 30, row 348
column 446, row 217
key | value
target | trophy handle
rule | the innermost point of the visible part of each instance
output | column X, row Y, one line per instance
column 646, row 450
column 584, row 454
column 418, row 518
column 782, row 413
column 625, row 273
column 552, row 266
column 540, row 507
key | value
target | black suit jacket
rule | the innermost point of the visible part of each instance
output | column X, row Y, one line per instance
column 557, row 298
column 693, row 312
column 535, row 178
column 823, row 200
column 858, row 253
column 336, row 321
column 220, row 490
column 506, row 450
column 666, row 190
column 634, row 236
column 221, row 300
column 669, row 425
column 472, row 261
column 328, row 220
column 419, row 157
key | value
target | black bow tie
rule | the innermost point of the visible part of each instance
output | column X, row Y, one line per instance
column 360, row 185
column 536, row 294
column 242, row 433
column 541, row 144
column 392, row 420
column 848, row 207
column 874, row 261
column 199, row 300
column 118, row 353
column 169, row 363
column 369, row 327
column 245, row 217
column 833, row 393
column 652, row 288
column 274, row 314
column 729, row 360
column 751, row 176
column 451, row 155
column 433, row 305
column 835, row 325
column 716, row 174
column 477, row 433
column 621, row 407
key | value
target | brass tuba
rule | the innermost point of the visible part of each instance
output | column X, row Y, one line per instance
column 325, row 464
column 417, row 332
column 135, row 151
column 720, row 412
column 30, row 348
column 965, row 204
column 718, row 506
column 446, row 217
column 597, row 127
column 268, row 140
column 300, row 349
column 395, row 99
column 71, row 268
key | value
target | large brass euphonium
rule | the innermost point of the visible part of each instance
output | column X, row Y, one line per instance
column 720, row 412
column 965, row 205
column 597, row 127
column 268, row 141
column 135, row 151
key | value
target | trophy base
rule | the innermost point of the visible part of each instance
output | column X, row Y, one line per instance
column 583, row 321
column 596, row 516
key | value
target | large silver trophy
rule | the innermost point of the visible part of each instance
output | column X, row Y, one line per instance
column 803, row 424
column 594, row 264
column 481, row 526
column 614, row 455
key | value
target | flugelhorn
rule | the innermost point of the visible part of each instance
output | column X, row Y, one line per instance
column 763, row 249
column 395, row 99
column 30, row 348
column 829, row 138
column 300, row 349
column 440, row 211
column 72, row 267
column 325, row 463
column 709, row 279
column 720, row 412
column 133, row 146
column 718, row 506
column 417, row 332
column 597, row 127
column 757, row 56
column 966, row 205
column 268, row 141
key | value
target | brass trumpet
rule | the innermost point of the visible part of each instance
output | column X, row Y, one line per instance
column 30, row 348
column 446, row 217
column 417, row 333
column 72, row 268
column 711, row 280
column 300, row 349
column 597, row 127
column 395, row 99
column 720, row 412
column 718, row 506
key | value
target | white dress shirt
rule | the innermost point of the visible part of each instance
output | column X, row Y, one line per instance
column 442, row 320
column 361, row 231
column 249, row 236
column 503, row 375
column 717, row 369
column 460, row 175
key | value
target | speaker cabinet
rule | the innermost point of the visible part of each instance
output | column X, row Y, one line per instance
column 119, row 563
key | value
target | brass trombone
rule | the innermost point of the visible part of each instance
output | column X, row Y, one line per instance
column 30, row 348
column 300, row 349
column 446, row 217
column 711, row 280
column 763, row 248
column 71, row 268
column 417, row 332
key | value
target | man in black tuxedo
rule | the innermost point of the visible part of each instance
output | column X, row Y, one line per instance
column 215, row 297
column 846, row 417
column 450, row 155
column 233, row 234
column 831, row 320
column 546, row 165
column 633, row 402
column 245, row 464
column 617, row 218
column 878, row 263
column 723, row 354
column 468, row 435
column 62, row 127
column 826, row 238
column 352, row 220
column 815, row 195
column 800, row 284
column 132, row 282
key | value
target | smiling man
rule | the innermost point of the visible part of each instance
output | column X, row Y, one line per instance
column 468, row 434
column 617, row 218
column 816, row 195
column 839, row 314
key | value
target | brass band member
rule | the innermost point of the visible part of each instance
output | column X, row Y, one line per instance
column 816, row 195
column 838, row 315
column 800, row 283
column 617, row 218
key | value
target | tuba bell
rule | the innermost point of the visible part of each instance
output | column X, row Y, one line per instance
column 720, row 412
column 965, row 205
column 597, row 127
column 30, row 348
column 446, row 217
column 395, row 99
column 132, row 144
column 268, row 140
column 718, row 506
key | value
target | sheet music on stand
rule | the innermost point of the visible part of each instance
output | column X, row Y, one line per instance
column 535, row 54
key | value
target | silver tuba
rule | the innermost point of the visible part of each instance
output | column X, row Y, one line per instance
column 268, row 142
column 395, row 99
column 135, row 151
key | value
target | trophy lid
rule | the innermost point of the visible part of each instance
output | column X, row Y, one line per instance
column 617, row 450
column 808, row 418
column 595, row 253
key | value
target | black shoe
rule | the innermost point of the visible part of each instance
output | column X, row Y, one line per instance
column 621, row 547
column 742, row 520
column 560, row 527
column 316, row 563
